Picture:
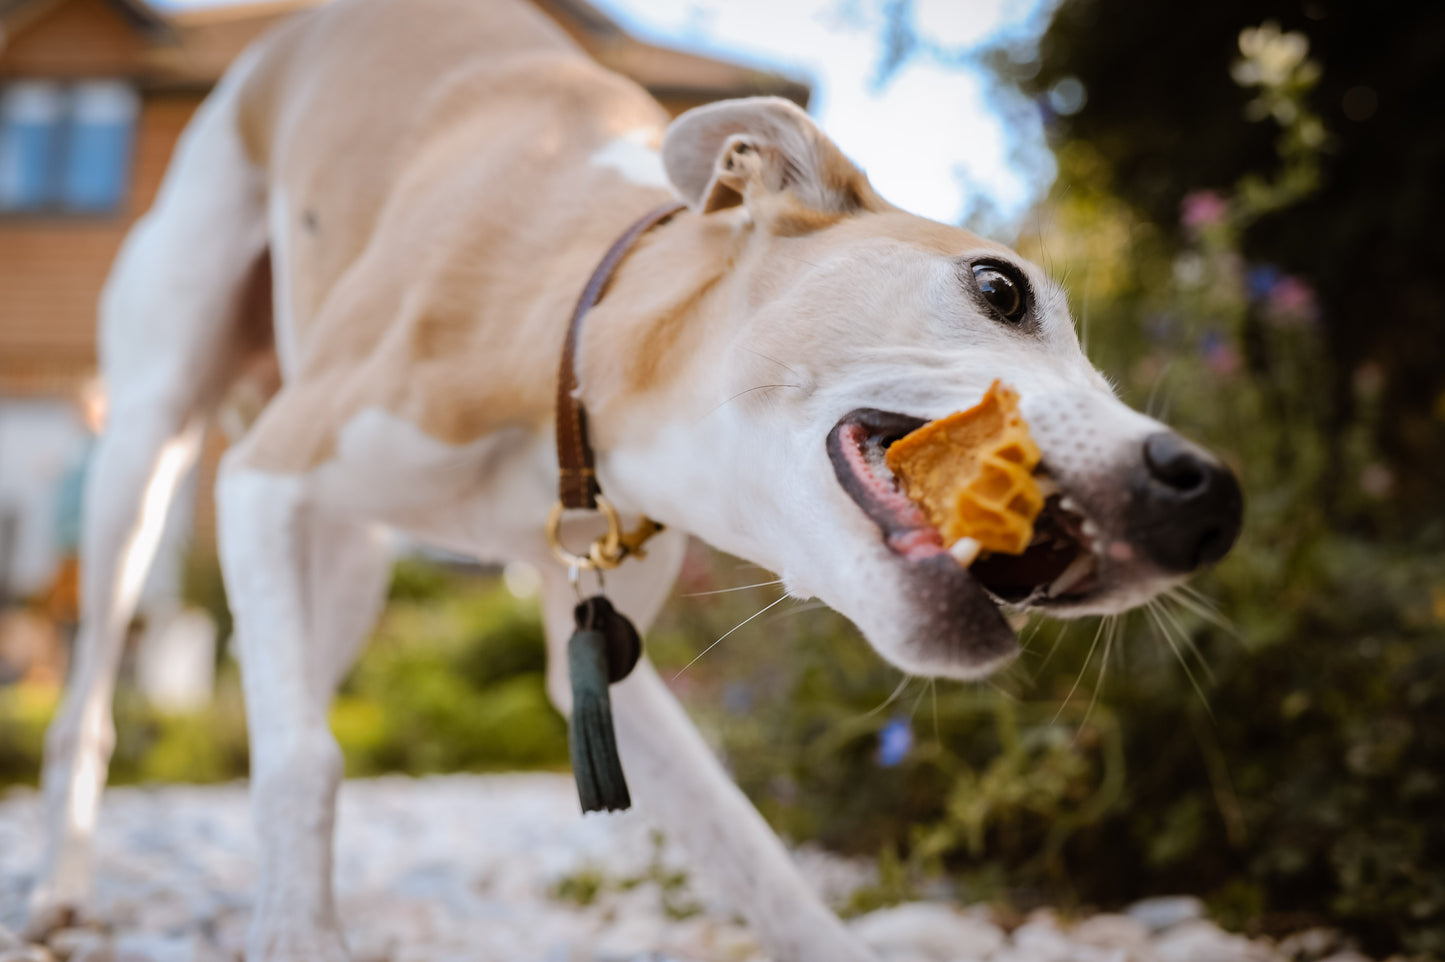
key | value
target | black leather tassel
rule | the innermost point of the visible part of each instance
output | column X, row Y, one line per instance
column 603, row 649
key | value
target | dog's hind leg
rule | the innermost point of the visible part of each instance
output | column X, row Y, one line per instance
column 137, row 467
column 678, row 782
column 172, row 331
column 305, row 587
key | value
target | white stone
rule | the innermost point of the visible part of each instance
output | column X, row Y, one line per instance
column 1201, row 941
column 1109, row 931
column 1165, row 911
column 26, row 953
column 1040, row 940
column 629, row 936
column 68, row 943
column 463, row 867
column 136, row 947
column 1311, row 944
column 99, row 951
column 935, row 931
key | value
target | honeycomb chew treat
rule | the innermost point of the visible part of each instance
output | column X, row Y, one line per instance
column 971, row 474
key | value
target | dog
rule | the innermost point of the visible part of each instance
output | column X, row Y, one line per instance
column 399, row 204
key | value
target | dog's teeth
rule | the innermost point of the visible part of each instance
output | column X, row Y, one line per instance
column 1069, row 504
column 965, row 551
column 1080, row 569
column 1090, row 529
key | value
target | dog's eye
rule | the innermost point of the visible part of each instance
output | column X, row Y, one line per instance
column 1003, row 289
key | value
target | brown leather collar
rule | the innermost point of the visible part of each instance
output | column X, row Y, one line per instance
column 577, row 487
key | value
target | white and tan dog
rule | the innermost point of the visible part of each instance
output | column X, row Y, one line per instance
column 402, row 202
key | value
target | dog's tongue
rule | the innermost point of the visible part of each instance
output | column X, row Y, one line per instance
column 971, row 474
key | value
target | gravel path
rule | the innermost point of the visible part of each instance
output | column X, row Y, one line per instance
column 501, row 869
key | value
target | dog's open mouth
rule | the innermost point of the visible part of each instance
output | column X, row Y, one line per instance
column 1059, row 565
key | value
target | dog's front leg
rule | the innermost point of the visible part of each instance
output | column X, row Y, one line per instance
column 678, row 782
column 303, row 586
column 676, row 779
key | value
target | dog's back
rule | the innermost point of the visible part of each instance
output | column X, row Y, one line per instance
column 428, row 173
column 338, row 99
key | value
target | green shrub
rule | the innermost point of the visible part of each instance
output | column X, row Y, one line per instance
column 452, row 680
column 25, row 710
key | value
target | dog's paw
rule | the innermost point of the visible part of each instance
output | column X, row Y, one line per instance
column 48, row 915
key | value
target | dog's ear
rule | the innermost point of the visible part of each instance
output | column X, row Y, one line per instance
column 760, row 148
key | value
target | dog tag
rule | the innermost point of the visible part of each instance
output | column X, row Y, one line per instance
column 603, row 649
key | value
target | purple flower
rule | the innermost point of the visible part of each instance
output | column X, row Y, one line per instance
column 1261, row 281
column 1292, row 299
column 737, row 698
column 1219, row 354
column 895, row 741
column 1202, row 209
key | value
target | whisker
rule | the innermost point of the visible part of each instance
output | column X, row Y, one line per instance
column 1188, row 641
column 768, row 357
column 1110, row 625
column 1004, row 692
column 1196, row 594
column 802, row 607
column 727, row 401
column 916, row 702
column 723, row 591
column 1198, row 597
column 1063, row 633
column 1203, row 608
column 725, row 634
column 1123, row 621
column 1151, row 608
column 1036, row 622
column 1150, row 402
column 933, row 692
column 891, row 698
column 1087, row 658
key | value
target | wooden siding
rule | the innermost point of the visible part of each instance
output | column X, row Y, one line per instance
column 81, row 38
column 52, row 268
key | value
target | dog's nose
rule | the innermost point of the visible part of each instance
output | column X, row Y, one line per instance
column 1186, row 507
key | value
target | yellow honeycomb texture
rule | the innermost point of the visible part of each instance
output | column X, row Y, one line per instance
column 971, row 473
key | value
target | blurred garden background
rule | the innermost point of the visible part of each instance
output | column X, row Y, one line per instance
column 1245, row 205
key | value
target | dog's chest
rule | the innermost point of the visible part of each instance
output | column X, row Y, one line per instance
column 487, row 498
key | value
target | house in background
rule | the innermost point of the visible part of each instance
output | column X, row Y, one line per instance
column 93, row 96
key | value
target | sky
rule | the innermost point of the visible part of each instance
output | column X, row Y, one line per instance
column 936, row 137
column 933, row 138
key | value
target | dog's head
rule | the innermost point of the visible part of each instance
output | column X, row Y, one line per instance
column 829, row 324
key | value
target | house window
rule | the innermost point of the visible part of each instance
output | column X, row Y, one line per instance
column 65, row 147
